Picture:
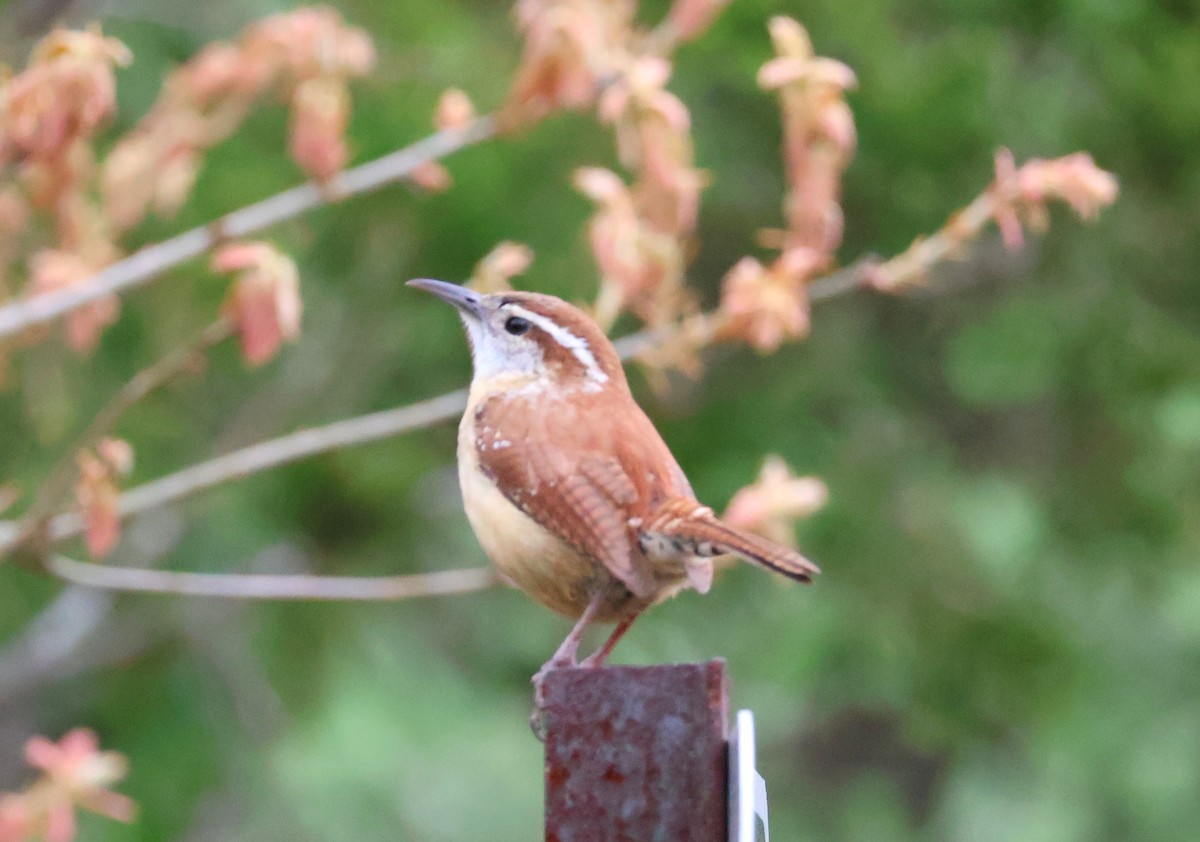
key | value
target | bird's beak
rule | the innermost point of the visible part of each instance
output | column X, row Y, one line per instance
column 467, row 301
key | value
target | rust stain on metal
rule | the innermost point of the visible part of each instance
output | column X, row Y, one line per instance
column 636, row 753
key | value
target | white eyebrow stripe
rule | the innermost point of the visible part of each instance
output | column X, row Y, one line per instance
column 576, row 345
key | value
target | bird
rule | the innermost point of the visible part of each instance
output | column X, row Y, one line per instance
column 568, row 486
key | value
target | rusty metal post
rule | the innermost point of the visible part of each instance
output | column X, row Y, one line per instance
column 637, row 753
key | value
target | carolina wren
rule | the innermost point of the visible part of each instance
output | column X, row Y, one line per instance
column 569, row 488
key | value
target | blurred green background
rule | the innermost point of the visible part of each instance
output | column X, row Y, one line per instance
column 1005, row 643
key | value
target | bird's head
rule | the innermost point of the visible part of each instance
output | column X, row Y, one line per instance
column 530, row 337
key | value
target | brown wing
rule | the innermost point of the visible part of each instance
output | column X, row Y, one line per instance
column 580, row 476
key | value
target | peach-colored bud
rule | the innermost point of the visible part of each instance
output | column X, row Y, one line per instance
column 52, row 269
column 77, row 773
column 836, row 122
column 1074, row 179
column 236, row 256
column 764, row 307
column 127, row 181
column 454, row 110
column 82, row 45
column 431, row 177
column 599, row 185
column 772, row 504
column 17, row 822
column 500, row 265
column 265, row 302
column 355, row 51
column 218, row 70
column 97, row 495
column 144, row 170
column 76, row 760
column 819, row 140
column 117, row 454
column 799, row 263
column 1004, row 210
column 313, row 42
column 65, row 94
column 690, row 18
column 175, row 180
column 789, row 37
column 649, row 74
column 320, row 110
column 570, row 45
column 307, row 56
column 640, row 90
column 821, row 73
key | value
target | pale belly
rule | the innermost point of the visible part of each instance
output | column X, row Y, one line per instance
column 539, row 562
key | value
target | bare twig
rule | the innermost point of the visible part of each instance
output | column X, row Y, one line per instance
column 913, row 264
column 260, row 457
column 257, row 586
column 150, row 262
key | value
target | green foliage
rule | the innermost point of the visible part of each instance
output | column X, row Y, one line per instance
column 1005, row 643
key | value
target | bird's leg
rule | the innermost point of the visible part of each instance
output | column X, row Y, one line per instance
column 597, row 658
column 564, row 656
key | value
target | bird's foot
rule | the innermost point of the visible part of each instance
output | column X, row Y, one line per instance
column 594, row 661
column 537, row 720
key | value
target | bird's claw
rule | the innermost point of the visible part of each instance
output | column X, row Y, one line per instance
column 537, row 720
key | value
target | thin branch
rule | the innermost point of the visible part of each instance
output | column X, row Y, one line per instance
column 152, row 261
column 288, row 586
column 913, row 264
column 259, row 457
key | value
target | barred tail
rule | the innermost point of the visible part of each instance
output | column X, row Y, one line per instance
column 701, row 533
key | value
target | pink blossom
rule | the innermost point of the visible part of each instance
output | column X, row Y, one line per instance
column 312, row 42
column 264, row 303
column 633, row 258
column 306, row 56
column 569, row 46
column 1021, row 195
column 82, row 774
column 53, row 269
column 1075, row 179
column 765, row 307
column 219, row 71
column 66, row 93
column 431, row 177
column 818, row 140
column 639, row 234
column 1003, row 196
column 320, row 110
column 775, row 500
column 98, row 497
column 454, row 110
column 117, row 454
column 500, row 265
column 16, row 822
column 690, row 18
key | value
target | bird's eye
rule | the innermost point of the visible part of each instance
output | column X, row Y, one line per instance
column 516, row 325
